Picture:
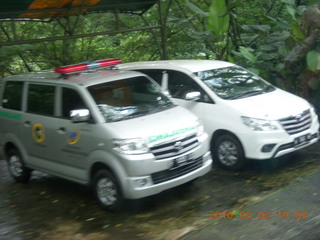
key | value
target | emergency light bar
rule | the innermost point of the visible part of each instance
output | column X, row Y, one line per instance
column 87, row 66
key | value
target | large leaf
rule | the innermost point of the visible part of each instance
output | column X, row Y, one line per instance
column 313, row 60
column 256, row 28
column 291, row 2
column 218, row 20
column 296, row 31
column 247, row 53
column 196, row 9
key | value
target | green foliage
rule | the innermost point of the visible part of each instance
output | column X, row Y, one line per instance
column 218, row 17
column 313, row 60
column 276, row 39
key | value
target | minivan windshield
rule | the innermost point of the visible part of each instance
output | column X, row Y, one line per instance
column 234, row 82
column 129, row 98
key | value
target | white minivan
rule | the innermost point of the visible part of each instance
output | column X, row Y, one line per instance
column 245, row 116
column 114, row 130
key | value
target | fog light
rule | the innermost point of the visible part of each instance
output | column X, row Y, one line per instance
column 142, row 182
column 267, row 148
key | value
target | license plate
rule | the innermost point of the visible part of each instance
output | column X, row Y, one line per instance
column 183, row 160
column 304, row 139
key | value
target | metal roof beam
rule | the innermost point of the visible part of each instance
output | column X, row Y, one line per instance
column 50, row 39
column 103, row 8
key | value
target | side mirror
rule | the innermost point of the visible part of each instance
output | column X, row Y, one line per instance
column 193, row 96
column 166, row 92
column 80, row 115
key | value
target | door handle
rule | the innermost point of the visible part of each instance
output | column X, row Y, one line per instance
column 27, row 123
column 61, row 130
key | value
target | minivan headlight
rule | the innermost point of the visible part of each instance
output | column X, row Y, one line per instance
column 130, row 146
column 256, row 124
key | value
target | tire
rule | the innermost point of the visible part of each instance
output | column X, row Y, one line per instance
column 107, row 191
column 228, row 152
column 16, row 166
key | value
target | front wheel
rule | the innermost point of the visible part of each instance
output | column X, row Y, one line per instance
column 17, row 168
column 107, row 190
column 228, row 152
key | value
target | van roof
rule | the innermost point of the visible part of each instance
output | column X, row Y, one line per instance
column 191, row 65
column 82, row 78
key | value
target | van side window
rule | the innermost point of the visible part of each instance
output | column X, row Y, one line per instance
column 71, row 100
column 41, row 99
column 155, row 74
column 12, row 96
column 179, row 84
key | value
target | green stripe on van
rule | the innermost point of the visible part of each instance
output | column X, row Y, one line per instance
column 170, row 134
column 14, row 116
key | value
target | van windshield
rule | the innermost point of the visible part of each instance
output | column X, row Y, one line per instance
column 234, row 82
column 129, row 98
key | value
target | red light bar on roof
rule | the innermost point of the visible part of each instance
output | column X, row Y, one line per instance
column 87, row 66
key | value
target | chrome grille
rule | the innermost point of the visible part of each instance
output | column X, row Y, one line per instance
column 167, row 175
column 298, row 123
column 175, row 147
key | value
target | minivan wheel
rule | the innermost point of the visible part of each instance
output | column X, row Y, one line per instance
column 16, row 166
column 228, row 152
column 107, row 190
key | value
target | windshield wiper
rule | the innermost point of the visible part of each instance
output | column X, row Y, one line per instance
column 247, row 94
column 163, row 107
column 137, row 114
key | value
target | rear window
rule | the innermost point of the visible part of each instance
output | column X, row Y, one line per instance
column 12, row 97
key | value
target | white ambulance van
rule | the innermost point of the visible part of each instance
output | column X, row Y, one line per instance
column 245, row 116
column 114, row 130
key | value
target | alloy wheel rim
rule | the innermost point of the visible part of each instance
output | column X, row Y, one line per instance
column 15, row 166
column 107, row 192
column 228, row 153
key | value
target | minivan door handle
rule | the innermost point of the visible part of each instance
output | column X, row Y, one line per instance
column 27, row 123
column 61, row 130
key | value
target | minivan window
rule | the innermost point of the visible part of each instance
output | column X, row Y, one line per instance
column 71, row 100
column 12, row 97
column 129, row 98
column 234, row 82
column 41, row 99
column 179, row 84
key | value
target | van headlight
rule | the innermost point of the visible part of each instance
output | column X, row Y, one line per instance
column 200, row 128
column 131, row 146
column 256, row 124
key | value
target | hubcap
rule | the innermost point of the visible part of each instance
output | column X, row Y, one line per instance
column 15, row 166
column 228, row 153
column 106, row 191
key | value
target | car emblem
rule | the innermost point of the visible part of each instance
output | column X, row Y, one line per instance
column 178, row 146
column 298, row 117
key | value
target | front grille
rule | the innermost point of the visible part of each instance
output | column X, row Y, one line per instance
column 298, row 123
column 166, row 175
column 175, row 147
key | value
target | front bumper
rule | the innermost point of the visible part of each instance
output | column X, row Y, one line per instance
column 166, row 179
column 269, row 145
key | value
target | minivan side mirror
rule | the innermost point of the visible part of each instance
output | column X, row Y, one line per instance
column 193, row 96
column 80, row 115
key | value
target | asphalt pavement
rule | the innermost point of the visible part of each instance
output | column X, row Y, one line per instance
column 292, row 213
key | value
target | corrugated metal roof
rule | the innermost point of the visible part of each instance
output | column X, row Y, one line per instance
column 48, row 9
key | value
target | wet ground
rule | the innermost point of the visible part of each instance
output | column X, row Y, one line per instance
column 54, row 209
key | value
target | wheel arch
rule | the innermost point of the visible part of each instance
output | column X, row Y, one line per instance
column 221, row 132
column 103, row 160
column 12, row 141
